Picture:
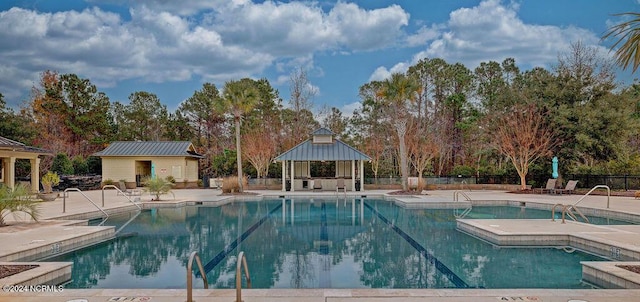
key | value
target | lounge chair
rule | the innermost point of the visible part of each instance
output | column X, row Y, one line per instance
column 569, row 189
column 340, row 185
column 317, row 185
column 551, row 185
column 129, row 192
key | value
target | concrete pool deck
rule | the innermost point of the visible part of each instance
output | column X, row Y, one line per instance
column 56, row 228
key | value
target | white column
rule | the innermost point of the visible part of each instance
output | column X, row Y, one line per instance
column 292, row 175
column 284, row 175
column 353, row 175
column 35, row 174
column 11, row 172
column 361, row 175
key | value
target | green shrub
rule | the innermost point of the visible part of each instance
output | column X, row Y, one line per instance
column 17, row 200
column 157, row 186
column 108, row 181
column 62, row 165
column 80, row 166
column 170, row 179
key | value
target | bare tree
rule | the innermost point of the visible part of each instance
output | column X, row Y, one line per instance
column 522, row 135
column 260, row 149
column 301, row 94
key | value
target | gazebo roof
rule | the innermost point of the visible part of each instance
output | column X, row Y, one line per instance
column 8, row 144
column 310, row 151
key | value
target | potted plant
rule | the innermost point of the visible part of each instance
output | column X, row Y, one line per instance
column 48, row 181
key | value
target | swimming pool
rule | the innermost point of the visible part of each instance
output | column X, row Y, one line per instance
column 302, row 243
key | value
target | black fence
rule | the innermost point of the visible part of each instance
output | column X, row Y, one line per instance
column 587, row 181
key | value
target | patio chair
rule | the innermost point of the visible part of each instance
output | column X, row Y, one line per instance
column 569, row 188
column 340, row 185
column 129, row 192
column 317, row 185
column 551, row 185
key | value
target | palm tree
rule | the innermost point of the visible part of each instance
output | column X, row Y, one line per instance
column 397, row 92
column 239, row 98
column 17, row 200
column 628, row 35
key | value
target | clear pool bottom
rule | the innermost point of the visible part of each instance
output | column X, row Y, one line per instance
column 305, row 243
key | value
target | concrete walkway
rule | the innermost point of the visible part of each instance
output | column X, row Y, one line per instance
column 77, row 206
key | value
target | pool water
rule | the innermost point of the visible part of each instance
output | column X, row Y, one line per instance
column 302, row 243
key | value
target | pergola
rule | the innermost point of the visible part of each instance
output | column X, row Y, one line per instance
column 322, row 147
column 10, row 151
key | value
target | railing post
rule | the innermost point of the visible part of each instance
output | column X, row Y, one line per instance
column 194, row 255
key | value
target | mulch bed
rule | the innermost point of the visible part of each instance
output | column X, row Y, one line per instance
column 633, row 268
column 10, row 270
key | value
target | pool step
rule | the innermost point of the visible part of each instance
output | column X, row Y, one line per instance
column 47, row 273
column 609, row 275
column 49, row 241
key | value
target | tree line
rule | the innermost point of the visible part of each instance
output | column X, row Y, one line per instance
column 437, row 118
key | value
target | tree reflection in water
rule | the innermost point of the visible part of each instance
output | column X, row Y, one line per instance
column 303, row 243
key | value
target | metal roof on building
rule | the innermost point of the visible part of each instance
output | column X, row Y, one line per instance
column 8, row 144
column 337, row 150
column 153, row 148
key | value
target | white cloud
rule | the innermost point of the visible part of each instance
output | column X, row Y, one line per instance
column 423, row 35
column 382, row 73
column 493, row 31
column 165, row 41
column 348, row 109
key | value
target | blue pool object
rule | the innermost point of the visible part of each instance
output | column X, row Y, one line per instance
column 554, row 164
column 343, row 243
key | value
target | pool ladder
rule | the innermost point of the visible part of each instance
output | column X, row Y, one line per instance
column 242, row 263
column 568, row 209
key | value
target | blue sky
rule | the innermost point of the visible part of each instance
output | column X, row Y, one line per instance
column 171, row 48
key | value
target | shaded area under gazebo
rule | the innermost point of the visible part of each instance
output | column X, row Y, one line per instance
column 322, row 147
column 10, row 151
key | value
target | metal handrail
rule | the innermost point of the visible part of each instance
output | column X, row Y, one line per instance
column 242, row 261
column 123, row 194
column 571, row 207
column 593, row 189
column 64, row 201
column 458, row 192
column 567, row 210
column 194, row 255
column 553, row 211
column 463, row 214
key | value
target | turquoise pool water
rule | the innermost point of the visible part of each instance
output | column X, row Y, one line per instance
column 353, row 243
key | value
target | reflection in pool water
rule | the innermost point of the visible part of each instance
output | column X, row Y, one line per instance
column 344, row 243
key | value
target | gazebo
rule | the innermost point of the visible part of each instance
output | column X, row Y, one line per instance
column 322, row 147
column 10, row 151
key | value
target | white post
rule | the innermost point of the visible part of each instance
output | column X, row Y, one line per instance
column 11, row 172
column 353, row 175
column 284, row 175
column 361, row 175
column 35, row 174
column 292, row 175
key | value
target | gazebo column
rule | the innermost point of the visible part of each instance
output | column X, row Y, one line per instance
column 361, row 174
column 10, row 173
column 353, row 175
column 292, row 175
column 284, row 175
column 35, row 174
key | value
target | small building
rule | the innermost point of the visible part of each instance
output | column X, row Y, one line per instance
column 134, row 161
column 10, row 151
column 347, row 164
